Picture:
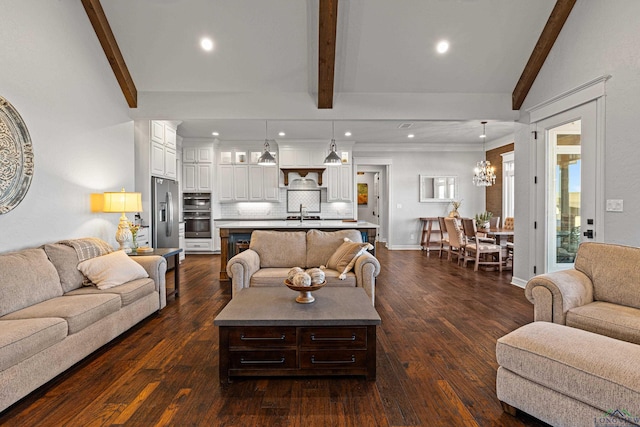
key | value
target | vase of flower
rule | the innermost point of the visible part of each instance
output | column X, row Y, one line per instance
column 134, row 236
column 454, row 212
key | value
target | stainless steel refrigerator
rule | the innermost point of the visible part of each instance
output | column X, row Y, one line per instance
column 164, row 203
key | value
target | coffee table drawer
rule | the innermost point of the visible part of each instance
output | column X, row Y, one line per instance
column 259, row 336
column 333, row 337
column 267, row 359
column 333, row 359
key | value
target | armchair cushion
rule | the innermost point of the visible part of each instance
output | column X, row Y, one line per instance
column 604, row 318
column 614, row 271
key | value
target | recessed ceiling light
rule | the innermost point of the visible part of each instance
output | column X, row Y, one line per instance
column 215, row 133
column 206, row 44
column 347, row 133
column 281, row 133
column 442, row 46
column 410, row 135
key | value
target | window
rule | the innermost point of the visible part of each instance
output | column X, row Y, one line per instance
column 508, row 185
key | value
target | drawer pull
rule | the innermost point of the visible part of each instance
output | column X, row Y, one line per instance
column 261, row 362
column 280, row 338
column 352, row 338
column 332, row 362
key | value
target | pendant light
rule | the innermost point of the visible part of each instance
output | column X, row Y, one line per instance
column 484, row 174
column 332, row 159
column 266, row 159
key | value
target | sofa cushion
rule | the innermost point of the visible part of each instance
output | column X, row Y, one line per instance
column 27, row 277
column 65, row 259
column 614, row 271
column 604, row 318
column 322, row 244
column 333, row 278
column 129, row 292
column 280, row 248
column 111, row 270
column 588, row 367
column 21, row 339
column 79, row 311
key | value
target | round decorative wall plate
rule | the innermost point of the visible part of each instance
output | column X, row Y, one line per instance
column 16, row 157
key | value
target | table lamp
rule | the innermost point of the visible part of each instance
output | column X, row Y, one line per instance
column 123, row 202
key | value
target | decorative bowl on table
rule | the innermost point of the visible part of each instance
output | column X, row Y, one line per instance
column 305, row 296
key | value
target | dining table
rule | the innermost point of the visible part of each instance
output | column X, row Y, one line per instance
column 497, row 232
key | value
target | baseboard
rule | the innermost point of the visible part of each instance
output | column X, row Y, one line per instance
column 404, row 247
column 519, row 282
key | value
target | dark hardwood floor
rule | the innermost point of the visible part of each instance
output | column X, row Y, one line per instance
column 436, row 361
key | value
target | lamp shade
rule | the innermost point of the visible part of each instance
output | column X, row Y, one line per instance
column 119, row 202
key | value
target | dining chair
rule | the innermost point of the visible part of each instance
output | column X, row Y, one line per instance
column 457, row 241
column 472, row 234
column 508, row 223
column 494, row 222
column 444, row 237
column 484, row 254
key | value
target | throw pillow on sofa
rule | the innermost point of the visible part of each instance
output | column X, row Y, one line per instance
column 345, row 257
column 114, row 269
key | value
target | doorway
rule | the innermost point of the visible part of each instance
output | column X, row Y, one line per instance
column 567, row 147
column 375, row 173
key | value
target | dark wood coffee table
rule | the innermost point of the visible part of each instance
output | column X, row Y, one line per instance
column 265, row 332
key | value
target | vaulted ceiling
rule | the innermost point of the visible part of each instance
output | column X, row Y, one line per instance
column 268, row 59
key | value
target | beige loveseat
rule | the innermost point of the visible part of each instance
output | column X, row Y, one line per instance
column 272, row 254
column 49, row 321
column 601, row 294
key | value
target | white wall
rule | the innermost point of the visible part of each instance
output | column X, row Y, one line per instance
column 405, row 226
column 599, row 38
column 55, row 74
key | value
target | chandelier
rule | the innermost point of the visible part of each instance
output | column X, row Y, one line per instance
column 484, row 174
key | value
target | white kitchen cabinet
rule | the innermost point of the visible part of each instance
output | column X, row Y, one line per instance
column 197, row 154
column 263, row 183
column 233, row 183
column 163, row 150
column 339, row 183
column 197, row 168
column 196, row 177
column 199, row 245
column 216, row 238
column 241, row 183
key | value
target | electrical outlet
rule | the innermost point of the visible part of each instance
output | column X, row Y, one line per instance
column 615, row 205
column 399, row 206
column 412, row 236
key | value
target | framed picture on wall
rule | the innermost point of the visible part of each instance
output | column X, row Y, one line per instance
column 363, row 194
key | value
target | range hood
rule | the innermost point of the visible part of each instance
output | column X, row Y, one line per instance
column 302, row 183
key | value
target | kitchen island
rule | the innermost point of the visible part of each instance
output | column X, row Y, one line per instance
column 235, row 236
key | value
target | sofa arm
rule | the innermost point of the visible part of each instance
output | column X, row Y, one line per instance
column 553, row 294
column 367, row 269
column 241, row 267
column 156, row 267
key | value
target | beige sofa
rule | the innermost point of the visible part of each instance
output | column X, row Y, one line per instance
column 601, row 294
column 49, row 321
column 272, row 254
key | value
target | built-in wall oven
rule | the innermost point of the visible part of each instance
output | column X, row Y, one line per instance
column 197, row 215
column 196, row 202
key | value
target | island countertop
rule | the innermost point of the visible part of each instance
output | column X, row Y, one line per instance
column 235, row 235
column 306, row 224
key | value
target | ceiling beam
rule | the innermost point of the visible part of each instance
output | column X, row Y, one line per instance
column 101, row 26
column 327, row 51
column 548, row 37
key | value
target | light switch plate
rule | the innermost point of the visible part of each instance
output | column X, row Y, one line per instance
column 614, row 205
